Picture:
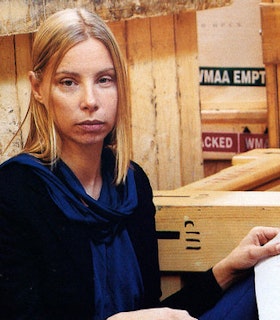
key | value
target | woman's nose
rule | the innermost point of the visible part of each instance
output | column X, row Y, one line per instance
column 89, row 98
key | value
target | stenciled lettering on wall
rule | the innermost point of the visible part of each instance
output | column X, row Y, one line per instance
column 212, row 76
column 191, row 235
column 193, row 242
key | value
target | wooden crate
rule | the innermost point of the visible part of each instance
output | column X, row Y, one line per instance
column 196, row 229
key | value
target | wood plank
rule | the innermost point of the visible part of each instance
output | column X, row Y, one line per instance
column 24, row 16
column 140, row 64
column 213, row 166
column 170, row 283
column 19, row 16
column 273, row 185
column 200, row 228
column 186, row 47
column 240, row 177
column 9, row 101
column 119, row 30
column 274, row 110
column 234, row 116
column 270, row 20
column 164, row 75
column 253, row 155
column 23, row 45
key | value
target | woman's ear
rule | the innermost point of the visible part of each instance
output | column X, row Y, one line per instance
column 35, row 86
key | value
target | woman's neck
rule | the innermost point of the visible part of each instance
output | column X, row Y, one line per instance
column 87, row 168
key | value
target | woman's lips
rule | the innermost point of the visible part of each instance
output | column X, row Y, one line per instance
column 91, row 125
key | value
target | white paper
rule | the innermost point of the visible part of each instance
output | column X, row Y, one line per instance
column 267, row 284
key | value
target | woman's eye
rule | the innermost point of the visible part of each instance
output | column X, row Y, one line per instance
column 67, row 83
column 105, row 80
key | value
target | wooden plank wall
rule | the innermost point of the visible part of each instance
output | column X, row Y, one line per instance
column 169, row 127
column 162, row 63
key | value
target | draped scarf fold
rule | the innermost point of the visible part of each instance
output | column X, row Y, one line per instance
column 104, row 217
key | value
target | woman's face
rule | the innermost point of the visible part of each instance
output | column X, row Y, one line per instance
column 83, row 94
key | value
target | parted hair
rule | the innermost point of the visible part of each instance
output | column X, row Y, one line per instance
column 59, row 33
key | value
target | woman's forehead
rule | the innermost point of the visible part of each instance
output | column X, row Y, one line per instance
column 88, row 53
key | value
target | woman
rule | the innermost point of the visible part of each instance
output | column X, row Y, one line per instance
column 77, row 233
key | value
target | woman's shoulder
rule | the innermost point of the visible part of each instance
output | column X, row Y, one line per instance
column 143, row 186
column 10, row 170
column 140, row 175
column 13, row 169
column 22, row 193
column 16, row 178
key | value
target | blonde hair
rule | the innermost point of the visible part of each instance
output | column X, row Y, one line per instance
column 55, row 37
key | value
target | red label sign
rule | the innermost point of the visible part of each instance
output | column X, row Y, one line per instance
column 219, row 142
column 249, row 141
column 233, row 142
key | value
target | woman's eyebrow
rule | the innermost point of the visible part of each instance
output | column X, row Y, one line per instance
column 110, row 69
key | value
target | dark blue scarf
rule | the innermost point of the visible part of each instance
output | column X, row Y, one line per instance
column 106, row 214
column 117, row 278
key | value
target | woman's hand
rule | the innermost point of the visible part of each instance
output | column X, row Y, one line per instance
column 253, row 248
column 153, row 314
